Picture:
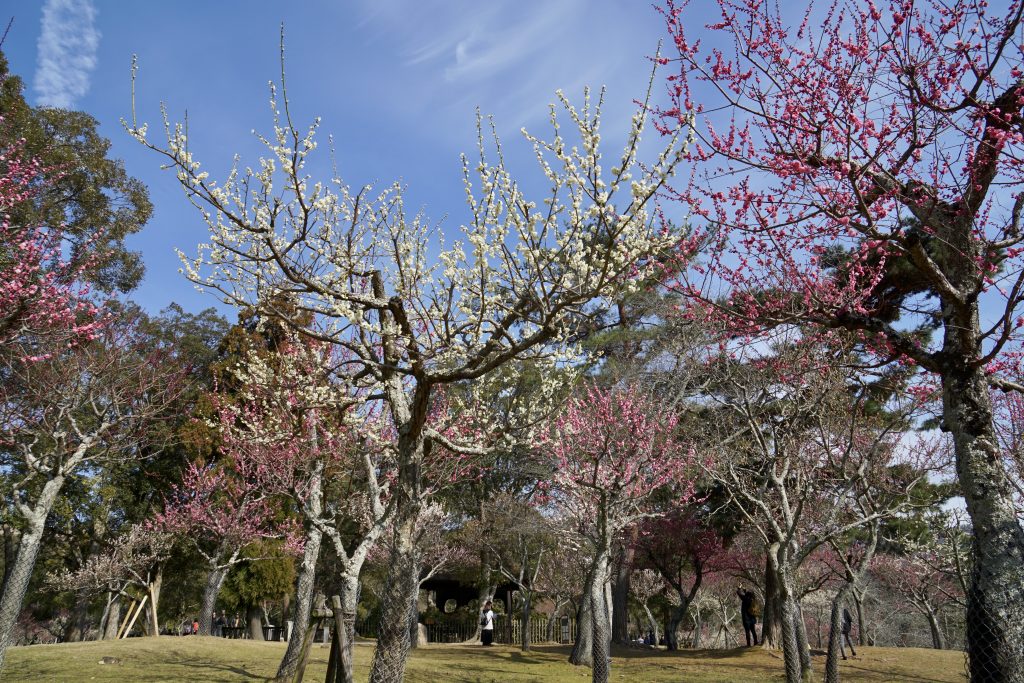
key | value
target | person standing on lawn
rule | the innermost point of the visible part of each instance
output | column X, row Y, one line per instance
column 487, row 625
column 747, row 615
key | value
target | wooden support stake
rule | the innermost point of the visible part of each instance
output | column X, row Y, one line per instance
column 344, row 671
column 142, row 606
column 307, row 644
column 332, row 661
column 120, row 629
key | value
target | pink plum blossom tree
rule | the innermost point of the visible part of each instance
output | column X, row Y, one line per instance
column 858, row 168
column 611, row 452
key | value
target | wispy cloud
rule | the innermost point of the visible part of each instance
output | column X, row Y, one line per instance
column 66, row 55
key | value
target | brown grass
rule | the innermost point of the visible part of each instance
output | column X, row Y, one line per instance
column 198, row 660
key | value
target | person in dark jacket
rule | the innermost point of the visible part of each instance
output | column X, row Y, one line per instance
column 847, row 627
column 747, row 615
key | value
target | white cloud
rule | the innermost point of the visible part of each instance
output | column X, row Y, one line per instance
column 66, row 55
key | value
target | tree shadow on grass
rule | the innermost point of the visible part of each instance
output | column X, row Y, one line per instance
column 495, row 654
column 650, row 653
column 201, row 665
column 903, row 676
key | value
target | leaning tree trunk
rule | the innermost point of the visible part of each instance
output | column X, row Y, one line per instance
column 214, row 580
column 304, row 585
column 938, row 641
column 652, row 623
column 400, row 588
column 995, row 631
column 25, row 561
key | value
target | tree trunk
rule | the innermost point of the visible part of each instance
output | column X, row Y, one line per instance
column 995, row 631
column 771, row 613
column 696, row 629
column 349, row 600
column 12, row 540
column 621, row 573
column 254, row 620
column 214, row 580
column 525, row 617
column 400, row 587
column 581, row 649
column 486, row 590
column 675, row 620
column 790, row 647
column 78, row 620
column 414, row 616
column 600, row 641
column 835, row 635
column 938, row 641
column 653, row 623
column 792, row 650
column 304, row 586
column 24, row 562
column 152, row 610
column 858, row 603
column 113, row 621
column 800, row 627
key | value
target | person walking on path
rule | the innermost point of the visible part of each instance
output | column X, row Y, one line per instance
column 747, row 615
column 487, row 625
column 847, row 627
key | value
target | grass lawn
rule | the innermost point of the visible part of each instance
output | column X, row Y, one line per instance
column 200, row 659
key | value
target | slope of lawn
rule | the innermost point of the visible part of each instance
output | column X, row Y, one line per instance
column 200, row 659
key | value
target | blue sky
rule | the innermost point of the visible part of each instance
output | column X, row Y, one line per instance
column 396, row 82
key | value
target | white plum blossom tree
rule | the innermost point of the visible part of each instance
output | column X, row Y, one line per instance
column 417, row 311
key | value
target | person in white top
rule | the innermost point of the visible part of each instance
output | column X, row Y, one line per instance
column 487, row 624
